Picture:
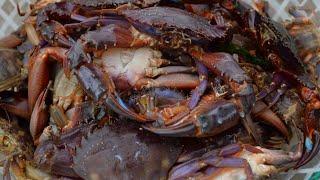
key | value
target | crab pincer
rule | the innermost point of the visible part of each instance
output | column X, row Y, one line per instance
column 101, row 88
column 223, row 64
column 214, row 114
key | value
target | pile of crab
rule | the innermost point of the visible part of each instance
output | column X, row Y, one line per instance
column 158, row 89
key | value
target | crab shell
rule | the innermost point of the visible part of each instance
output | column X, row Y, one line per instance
column 122, row 151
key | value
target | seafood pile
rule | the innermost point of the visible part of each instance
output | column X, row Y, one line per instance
column 157, row 89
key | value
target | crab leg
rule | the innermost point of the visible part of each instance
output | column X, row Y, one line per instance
column 261, row 111
column 17, row 106
column 284, row 80
column 39, row 116
column 154, row 71
column 114, row 35
column 210, row 117
column 38, row 77
column 101, row 88
column 217, row 159
column 10, row 41
column 198, row 92
column 179, row 81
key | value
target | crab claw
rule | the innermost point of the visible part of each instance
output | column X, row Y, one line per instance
column 235, row 160
column 212, row 116
column 39, row 68
column 39, row 116
column 101, row 88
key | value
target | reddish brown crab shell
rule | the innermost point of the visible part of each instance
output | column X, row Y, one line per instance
column 126, row 153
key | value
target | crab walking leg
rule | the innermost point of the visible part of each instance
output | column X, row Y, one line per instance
column 101, row 88
column 179, row 81
column 199, row 91
column 155, row 71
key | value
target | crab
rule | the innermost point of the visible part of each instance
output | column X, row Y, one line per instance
column 301, row 28
column 277, row 46
column 155, row 33
column 240, row 161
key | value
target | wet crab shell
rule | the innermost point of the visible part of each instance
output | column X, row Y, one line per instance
column 122, row 151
